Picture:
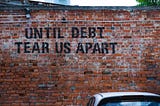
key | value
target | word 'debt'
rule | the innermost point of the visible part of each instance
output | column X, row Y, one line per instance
column 64, row 47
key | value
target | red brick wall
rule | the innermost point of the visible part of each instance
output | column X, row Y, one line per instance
column 123, row 56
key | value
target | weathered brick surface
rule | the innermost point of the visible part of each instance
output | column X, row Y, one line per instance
column 42, row 78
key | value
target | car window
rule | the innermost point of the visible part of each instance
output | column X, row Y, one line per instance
column 138, row 103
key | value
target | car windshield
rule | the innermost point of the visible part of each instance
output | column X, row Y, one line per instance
column 131, row 101
column 137, row 103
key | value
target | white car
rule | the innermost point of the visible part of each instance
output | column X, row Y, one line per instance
column 124, row 99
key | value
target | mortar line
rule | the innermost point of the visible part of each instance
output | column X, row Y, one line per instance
column 70, row 21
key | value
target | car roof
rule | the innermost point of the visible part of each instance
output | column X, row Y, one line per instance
column 114, row 94
column 100, row 96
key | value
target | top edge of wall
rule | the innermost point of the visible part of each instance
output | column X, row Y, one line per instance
column 39, row 7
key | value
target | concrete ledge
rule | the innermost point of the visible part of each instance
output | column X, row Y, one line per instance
column 40, row 7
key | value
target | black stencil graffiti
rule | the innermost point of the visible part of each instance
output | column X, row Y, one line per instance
column 65, row 47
